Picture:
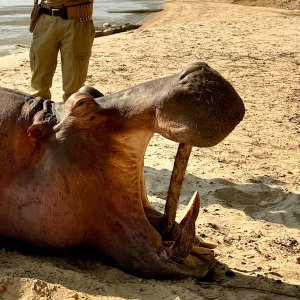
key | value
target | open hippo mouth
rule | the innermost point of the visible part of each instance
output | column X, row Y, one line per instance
column 97, row 150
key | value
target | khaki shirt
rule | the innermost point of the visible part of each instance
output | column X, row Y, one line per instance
column 61, row 3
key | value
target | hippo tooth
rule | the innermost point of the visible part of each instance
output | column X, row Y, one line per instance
column 200, row 243
column 195, row 198
column 203, row 253
column 183, row 245
column 179, row 168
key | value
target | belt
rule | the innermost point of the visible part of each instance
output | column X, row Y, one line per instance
column 82, row 12
column 55, row 12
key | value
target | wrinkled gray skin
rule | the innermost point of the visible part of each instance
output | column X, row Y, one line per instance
column 73, row 173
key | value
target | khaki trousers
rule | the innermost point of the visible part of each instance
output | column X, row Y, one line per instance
column 74, row 40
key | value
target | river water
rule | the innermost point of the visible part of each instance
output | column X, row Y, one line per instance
column 14, row 19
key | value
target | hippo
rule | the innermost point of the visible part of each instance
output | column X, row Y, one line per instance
column 73, row 173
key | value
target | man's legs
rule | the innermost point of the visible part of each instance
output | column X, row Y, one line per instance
column 75, row 51
column 43, row 55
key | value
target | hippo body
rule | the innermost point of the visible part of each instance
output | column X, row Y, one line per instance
column 72, row 173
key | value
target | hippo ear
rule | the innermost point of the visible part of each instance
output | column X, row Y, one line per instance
column 39, row 131
column 42, row 126
column 81, row 105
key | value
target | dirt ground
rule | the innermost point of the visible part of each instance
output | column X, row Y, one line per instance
column 249, row 183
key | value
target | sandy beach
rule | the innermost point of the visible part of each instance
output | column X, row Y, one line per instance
column 249, row 183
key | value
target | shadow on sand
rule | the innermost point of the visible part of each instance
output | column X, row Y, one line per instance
column 256, row 198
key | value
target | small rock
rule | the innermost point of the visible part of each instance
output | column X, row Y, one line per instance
column 108, row 30
column 213, row 226
column 228, row 240
column 75, row 296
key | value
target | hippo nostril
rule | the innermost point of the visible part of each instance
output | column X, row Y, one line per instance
column 198, row 66
column 184, row 81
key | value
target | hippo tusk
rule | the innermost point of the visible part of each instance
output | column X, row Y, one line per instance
column 195, row 199
column 183, row 245
column 180, row 164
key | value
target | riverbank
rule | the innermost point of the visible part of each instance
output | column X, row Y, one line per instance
column 249, row 183
column 15, row 16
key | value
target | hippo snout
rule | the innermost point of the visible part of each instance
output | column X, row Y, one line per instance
column 202, row 81
column 201, row 109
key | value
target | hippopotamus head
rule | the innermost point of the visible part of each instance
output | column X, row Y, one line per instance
column 72, row 173
column 197, row 106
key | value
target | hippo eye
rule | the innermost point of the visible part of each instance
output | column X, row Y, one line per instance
column 84, row 102
column 80, row 103
column 83, row 107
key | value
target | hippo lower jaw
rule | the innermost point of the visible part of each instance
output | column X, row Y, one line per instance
column 192, row 256
column 143, row 249
column 135, row 234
